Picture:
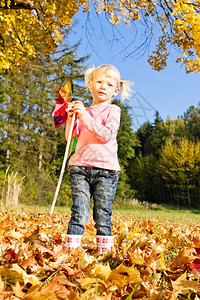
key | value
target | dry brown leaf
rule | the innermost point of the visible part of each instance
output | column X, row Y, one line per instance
column 136, row 256
column 182, row 285
column 89, row 229
column 73, row 296
column 184, row 258
column 147, row 259
column 17, row 290
column 29, row 263
column 36, row 293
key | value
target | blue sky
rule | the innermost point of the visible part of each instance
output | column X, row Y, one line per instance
column 171, row 91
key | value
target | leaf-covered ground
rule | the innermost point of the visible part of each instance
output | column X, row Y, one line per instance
column 151, row 260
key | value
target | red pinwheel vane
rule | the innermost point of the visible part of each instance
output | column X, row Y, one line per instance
column 64, row 97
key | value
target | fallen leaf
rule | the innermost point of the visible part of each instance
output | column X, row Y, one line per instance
column 123, row 275
column 184, row 258
column 182, row 285
column 89, row 229
column 103, row 272
column 1, row 284
column 17, row 290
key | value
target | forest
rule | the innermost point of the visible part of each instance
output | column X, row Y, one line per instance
column 160, row 162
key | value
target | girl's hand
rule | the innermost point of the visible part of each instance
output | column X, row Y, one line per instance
column 78, row 108
column 69, row 109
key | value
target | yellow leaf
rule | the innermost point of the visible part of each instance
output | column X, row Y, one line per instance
column 84, row 260
column 31, row 279
column 136, row 256
column 10, row 275
column 124, row 226
column 123, row 275
column 103, row 272
column 159, row 263
column 87, row 282
column 26, row 277
column 67, row 86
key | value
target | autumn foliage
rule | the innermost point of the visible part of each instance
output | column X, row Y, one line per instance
column 151, row 260
column 29, row 28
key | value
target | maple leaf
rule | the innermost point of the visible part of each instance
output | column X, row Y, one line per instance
column 135, row 256
column 123, row 275
column 182, row 286
column 102, row 271
column 184, row 258
column 195, row 265
column 144, row 264
column 84, row 260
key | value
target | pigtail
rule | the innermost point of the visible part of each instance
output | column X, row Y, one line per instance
column 125, row 89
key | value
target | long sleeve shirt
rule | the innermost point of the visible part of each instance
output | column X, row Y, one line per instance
column 97, row 137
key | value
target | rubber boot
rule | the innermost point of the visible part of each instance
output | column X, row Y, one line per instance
column 104, row 243
column 72, row 241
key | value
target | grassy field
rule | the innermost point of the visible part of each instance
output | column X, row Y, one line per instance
column 159, row 212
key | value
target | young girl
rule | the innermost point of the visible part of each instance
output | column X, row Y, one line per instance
column 94, row 167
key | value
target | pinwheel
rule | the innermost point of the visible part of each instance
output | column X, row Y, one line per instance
column 64, row 97
column 60, row 117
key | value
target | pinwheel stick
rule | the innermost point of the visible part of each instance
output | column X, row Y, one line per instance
column 63, row 165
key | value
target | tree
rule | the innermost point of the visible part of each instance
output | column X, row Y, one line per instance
column 174, row 129
column 30, row 144
column 31, row 28
column 192, row 121
column 179, row 166
column 175, row 23
column 127, row 142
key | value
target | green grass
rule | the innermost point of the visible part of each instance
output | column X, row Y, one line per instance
column 159, row 212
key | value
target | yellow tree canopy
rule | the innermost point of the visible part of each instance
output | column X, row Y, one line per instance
column 29, row 27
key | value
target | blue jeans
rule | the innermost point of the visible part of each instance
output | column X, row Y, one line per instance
column 85, row 183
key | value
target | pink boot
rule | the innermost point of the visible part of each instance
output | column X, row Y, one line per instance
column 72, row 241
column 104, row 243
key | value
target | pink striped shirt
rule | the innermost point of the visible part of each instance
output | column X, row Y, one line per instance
column 97, row 132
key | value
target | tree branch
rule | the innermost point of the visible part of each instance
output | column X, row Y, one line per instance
column 19, row 4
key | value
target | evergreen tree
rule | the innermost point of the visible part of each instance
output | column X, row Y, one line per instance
column 144, row 134
column 127, row 142
column 192, row 121
column 29, row 141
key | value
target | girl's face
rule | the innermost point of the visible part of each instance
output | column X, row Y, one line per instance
column 103, row 88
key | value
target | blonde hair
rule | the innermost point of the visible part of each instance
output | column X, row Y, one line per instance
column 111, row 71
